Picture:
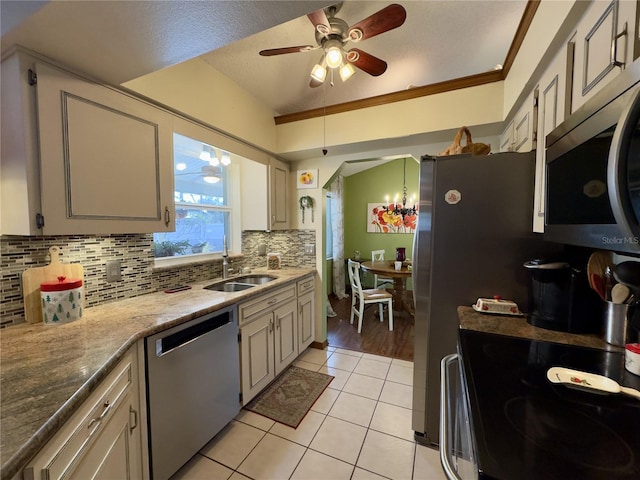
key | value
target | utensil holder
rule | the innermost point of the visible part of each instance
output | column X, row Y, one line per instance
column 617, row 324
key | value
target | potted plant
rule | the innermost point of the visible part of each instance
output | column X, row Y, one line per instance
column 306, row 202
column 169, row 248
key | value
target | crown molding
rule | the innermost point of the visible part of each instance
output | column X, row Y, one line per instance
column 440, row 87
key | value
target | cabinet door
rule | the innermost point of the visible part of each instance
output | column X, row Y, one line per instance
column 278, row 194
column 103, row 438
column 306, row 305
column 255, row 204
column 105, row 158
column 115, row 453
column 286, row 335
column 602, row 47
column 257, row 365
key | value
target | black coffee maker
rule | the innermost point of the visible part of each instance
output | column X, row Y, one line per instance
column 560, row 298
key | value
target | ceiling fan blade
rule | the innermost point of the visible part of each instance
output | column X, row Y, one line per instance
column 366, row 62
column 386, row 19
column 320, row 21
column 281, row 51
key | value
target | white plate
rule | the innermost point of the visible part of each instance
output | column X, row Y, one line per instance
column 488, row 312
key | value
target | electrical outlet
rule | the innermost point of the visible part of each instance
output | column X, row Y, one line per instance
column 113, row 271
column 309, row 249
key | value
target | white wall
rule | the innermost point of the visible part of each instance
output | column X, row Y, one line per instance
column 197, row 90
column 450, row 110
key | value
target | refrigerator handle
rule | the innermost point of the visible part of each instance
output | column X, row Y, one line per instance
column 415, row 263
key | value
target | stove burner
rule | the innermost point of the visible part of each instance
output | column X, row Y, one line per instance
column 569, row 434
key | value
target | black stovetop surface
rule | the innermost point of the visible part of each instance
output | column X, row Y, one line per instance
column 525, row 427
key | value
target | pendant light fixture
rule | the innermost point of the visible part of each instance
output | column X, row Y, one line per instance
column 398, row 209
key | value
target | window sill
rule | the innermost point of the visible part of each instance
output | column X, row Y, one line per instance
column 169, row 263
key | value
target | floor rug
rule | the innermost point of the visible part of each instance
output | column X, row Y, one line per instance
column 289, row 398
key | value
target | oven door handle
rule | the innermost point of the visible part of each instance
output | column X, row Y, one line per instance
column 445, row 417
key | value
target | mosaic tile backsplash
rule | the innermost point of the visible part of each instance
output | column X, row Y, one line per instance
column 135, row 252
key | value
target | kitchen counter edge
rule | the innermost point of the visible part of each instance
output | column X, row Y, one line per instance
column 68, row 361
column 518, row 327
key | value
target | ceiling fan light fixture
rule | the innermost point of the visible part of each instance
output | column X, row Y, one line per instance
column 226, row 159
column 211, row 179
column 211, row 174
column 205, row 154
column 215, row 158
column 319, row 73
column 333, row 54
column 346, row 71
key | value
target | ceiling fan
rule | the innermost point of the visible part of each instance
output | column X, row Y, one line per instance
column 332, row 35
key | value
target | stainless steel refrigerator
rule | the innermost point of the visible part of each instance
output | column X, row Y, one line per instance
column 474, row 234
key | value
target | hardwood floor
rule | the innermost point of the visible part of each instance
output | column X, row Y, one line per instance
column 375, row 337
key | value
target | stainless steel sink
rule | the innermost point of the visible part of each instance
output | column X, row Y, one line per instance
column 229, row 287
column 254, row 279
column 238, row 284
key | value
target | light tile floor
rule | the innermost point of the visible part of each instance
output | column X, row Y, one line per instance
column 359, row 429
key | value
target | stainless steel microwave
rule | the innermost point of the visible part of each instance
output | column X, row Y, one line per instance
column 593, row 170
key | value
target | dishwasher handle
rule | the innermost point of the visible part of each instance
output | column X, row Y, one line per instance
column 174, row 341
column 445, row 417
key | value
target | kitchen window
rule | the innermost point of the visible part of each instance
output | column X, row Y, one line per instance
column 203, row 201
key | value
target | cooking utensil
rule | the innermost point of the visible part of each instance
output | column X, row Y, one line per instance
column 628, row 273
column 33, row 277
column 588, row 381
column 597, row 265
column 620, row 293
column 597, row 283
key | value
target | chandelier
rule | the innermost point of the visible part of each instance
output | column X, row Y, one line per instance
column 398, row 209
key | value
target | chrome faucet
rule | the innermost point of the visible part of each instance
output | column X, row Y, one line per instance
column 225, row 254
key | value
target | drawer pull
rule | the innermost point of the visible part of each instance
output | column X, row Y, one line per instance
column 106, row 408
column 134, row 423
column 272, row 301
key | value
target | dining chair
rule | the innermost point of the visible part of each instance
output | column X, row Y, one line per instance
column 378, row 281
column 362, row 298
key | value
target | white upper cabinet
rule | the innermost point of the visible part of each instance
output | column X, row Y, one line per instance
column 265, row 195
column 279, row 194
column 604, row 43
column 552, row 110
column 103, row 162
column 105, row 159
column 518, row 136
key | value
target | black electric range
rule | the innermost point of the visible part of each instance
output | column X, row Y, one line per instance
column 525, row 427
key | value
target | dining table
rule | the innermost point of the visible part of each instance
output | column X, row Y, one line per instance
column 386, row 268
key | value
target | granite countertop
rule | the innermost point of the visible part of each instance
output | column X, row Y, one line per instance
column 518, row 327
column 47, row 371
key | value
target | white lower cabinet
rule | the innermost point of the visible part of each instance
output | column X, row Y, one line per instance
column 268, row 338
column 306, row 311
column 274, row 329
column 102, row 439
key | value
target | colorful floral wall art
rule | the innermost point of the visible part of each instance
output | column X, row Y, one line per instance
column 379, row 220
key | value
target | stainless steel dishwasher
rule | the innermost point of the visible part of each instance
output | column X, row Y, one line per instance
column 193, row 386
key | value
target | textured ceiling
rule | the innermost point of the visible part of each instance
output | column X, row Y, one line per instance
column 120, row 41
column 117, row 41
column 440, row 40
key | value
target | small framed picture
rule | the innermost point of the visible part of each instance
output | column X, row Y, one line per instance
column 307, row 179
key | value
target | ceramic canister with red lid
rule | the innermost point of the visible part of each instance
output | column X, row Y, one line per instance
column 632, row 358
column 61, row 300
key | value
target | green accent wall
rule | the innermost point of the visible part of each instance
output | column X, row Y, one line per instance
column 371, row 186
